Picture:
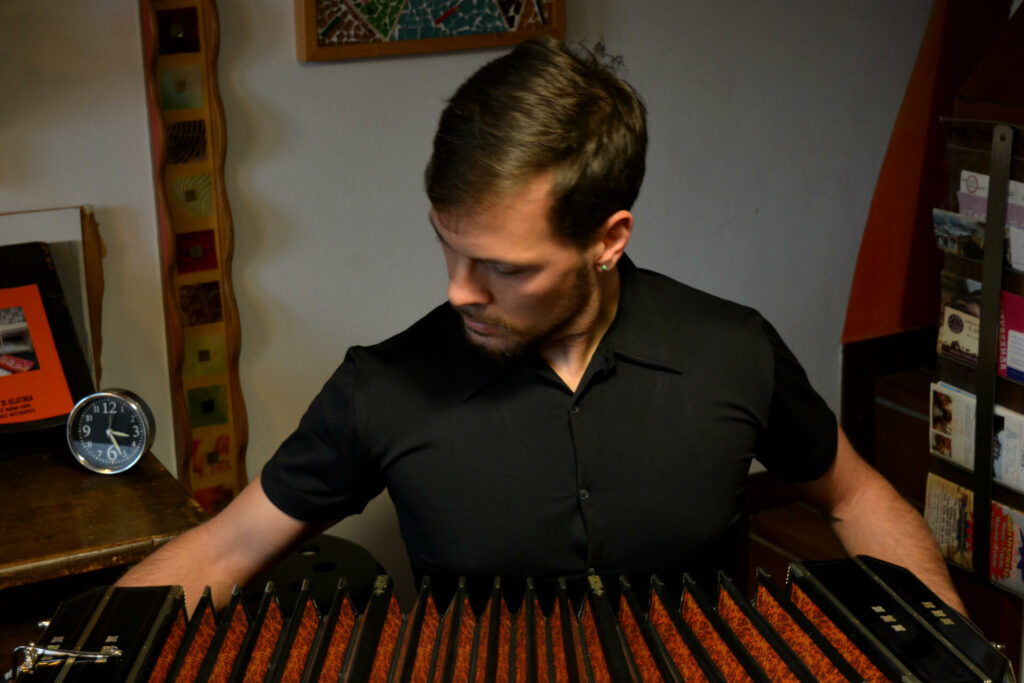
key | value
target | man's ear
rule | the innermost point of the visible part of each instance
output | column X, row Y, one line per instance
column 612, row 238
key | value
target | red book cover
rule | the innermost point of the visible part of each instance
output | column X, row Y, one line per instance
column 32, row 382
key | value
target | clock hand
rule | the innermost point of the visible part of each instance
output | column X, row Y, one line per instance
column 110, row 434
column 121, row 434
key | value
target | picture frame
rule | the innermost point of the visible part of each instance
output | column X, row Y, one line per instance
column 44, row 370
column 328, row 30
column 77, row 250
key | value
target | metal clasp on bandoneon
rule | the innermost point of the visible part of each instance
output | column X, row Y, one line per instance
column 37, row 657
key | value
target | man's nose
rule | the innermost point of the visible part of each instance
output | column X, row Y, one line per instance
column 466, row 285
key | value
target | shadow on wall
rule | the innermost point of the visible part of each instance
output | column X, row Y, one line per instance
column 377, row 530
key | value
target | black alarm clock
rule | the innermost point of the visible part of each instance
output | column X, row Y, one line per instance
column 109, row 431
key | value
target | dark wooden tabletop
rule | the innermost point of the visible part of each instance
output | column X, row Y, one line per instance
column 65, row 529
column 60, row 519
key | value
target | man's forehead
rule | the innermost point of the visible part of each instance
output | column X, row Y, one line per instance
column 439, row 226
column 489, row 224
column 442, row 219
column 535, row 191
column 447, row 222
column 459, row 220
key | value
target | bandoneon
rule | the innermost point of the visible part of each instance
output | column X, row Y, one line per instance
column 844, row 620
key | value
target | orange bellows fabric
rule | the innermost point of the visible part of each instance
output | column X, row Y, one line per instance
column 834, row 621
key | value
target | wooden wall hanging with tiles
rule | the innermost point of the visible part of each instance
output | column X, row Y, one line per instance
column 187, row 132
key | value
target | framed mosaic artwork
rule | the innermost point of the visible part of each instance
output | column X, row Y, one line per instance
column 343, row 29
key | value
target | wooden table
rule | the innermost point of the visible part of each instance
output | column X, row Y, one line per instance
column 63, row 528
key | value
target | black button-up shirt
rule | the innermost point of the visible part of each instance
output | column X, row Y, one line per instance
column 497, row 468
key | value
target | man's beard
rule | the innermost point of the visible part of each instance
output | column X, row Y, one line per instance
column 519, row 342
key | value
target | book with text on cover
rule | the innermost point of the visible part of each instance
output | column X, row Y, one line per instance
column 960, row 325
column 952, row 433
column 1007, row 547
column 949, row 512
column 76, row 248
column 43, row 370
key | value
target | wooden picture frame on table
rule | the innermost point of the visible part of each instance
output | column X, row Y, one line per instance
column 72, row 235
column 43, row 370
column 327, row 30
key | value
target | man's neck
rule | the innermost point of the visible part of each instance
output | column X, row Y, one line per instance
column 570, row 354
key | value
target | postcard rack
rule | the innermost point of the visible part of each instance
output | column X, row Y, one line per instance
column 982, row 330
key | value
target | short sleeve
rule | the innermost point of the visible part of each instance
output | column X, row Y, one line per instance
column 320, row 472
column 799, row 441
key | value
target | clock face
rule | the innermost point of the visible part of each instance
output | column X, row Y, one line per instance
column 109, row 431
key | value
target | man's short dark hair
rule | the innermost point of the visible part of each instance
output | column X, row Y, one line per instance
column 545, row 106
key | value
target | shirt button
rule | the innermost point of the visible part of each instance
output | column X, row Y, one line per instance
column 575, row 410
column 584, row 495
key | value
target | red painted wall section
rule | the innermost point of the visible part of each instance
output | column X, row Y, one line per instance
column 896, row 281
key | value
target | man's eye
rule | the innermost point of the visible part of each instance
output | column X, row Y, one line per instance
column 506, row 270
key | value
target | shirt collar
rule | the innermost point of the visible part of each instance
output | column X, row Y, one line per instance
column 638, row 333
column 633, row 336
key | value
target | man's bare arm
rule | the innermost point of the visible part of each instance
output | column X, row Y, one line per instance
column 871, row 518
column 231, row 548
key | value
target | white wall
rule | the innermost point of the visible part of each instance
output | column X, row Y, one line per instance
column 768, row 124
column 73, row 131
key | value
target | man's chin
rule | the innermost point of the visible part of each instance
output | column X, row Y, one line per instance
column 492, row 346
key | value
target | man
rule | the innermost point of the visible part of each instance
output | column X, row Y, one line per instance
column 564, row 411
